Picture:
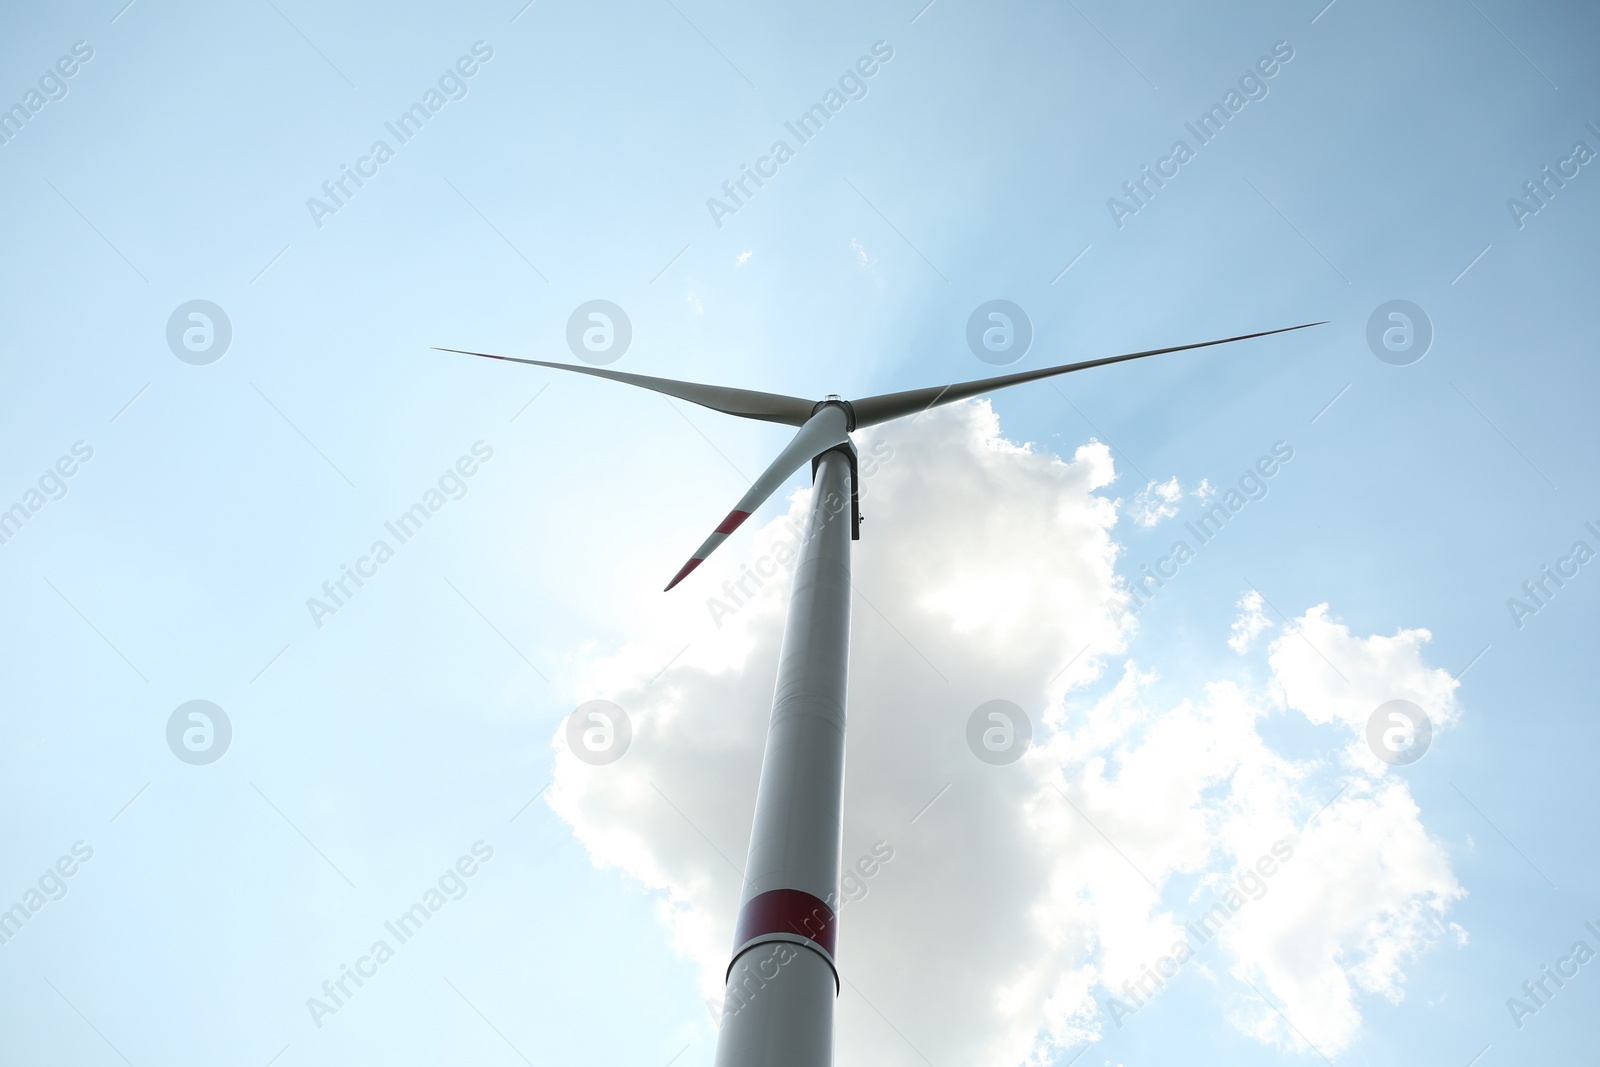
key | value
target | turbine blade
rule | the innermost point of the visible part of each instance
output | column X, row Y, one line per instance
column 746, row 403
column 824, row 430
column 875, row 409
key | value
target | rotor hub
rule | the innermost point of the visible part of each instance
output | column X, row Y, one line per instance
column 834, row 400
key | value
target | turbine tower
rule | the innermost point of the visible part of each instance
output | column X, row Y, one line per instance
column 783, row 976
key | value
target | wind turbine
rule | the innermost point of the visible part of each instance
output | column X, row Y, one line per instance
column 784, row 976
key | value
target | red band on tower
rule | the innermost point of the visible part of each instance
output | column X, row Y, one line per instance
column 787, row 911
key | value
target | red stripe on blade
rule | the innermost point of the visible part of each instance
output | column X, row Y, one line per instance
column 787, row 911
column 731, row 523
column 687, row 567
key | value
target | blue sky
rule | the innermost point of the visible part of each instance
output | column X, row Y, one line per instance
column 371, row 752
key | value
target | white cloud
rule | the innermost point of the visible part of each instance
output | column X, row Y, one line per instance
column 859, row 250
column 1028, row 893
column 1249, row 624
column 1366, row 890
column 1205, row 490
column 1330, row 676
column 743, row 258
column 1156, row 501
